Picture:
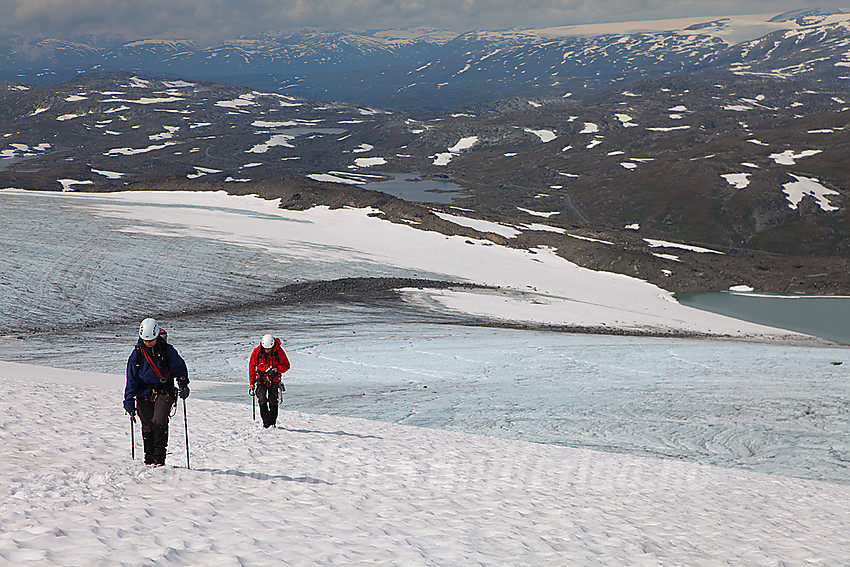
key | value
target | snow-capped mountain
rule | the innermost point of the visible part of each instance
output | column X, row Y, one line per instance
column 423, row 68
column 819, row 53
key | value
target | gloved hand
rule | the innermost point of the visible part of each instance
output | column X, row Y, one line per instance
column 251, row 389
column 183, row 387
column 282, row 387
column 130, row 406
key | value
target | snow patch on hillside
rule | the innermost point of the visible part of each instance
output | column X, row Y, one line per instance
column 323, row 490
column 808, row 186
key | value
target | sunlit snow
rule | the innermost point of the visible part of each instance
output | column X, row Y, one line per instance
column 577, row 295
column 146, row 100
column 277, row 140
column 369, row 161
column 625, row 120
column 269, row 124
column 201, row 171
column 657, row 402
column 544, row 135
column 808, row 186
column 464, row 144
column 240, row 102
column 665, row 244
column 539, row 213
column 443, row 158
column 589, row 239
column 738, row 180
column 332, row 178
column 323, row 489
column 108, row 174
column 668, row 128
column 136, row 151
column 480, row 224
column 790, row 157
column 68, row 184
column 671, row 257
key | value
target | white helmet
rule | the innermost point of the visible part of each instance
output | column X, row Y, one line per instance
column 268, row 341
column 149, row 329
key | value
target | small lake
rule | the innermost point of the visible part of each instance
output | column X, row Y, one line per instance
column 7, row 161
column 411, row 187
column 823, row 316
column 303, row 131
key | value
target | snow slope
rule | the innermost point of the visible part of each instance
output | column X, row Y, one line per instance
column 535, row 285
column 324, row 490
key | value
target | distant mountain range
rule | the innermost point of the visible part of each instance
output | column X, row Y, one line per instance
column 422, row 69
column 741, row 148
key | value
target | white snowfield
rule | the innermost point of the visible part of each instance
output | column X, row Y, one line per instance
column 535, row 286
column 323, row 490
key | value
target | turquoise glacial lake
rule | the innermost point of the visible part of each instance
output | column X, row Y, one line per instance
column 824, row 316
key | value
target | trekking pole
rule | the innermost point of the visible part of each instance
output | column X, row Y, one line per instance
column 132, row 437
column 254, row 404
column 186, row 428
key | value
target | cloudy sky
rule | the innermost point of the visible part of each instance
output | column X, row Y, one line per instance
column 210, row 20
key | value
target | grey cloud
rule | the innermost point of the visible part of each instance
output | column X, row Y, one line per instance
column 219, row 19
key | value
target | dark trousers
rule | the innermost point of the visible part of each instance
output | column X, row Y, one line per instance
column 267, row 397
column 154, row 415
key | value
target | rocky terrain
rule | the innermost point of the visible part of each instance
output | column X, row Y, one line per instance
column 727, row 170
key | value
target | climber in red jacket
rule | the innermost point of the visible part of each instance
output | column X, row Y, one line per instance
column 268, row 363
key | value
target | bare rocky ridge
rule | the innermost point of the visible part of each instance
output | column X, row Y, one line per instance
column 358, row 289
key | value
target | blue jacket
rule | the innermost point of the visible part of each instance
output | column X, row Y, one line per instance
column 141, row 377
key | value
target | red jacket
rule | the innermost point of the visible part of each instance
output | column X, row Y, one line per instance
column 262, row 360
